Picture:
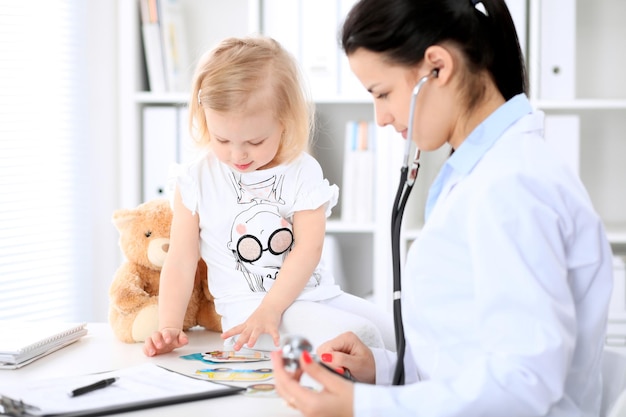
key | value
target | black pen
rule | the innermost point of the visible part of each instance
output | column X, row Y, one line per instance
column 92, row 387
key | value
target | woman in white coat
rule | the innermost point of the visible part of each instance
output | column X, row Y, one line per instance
column 505, row 292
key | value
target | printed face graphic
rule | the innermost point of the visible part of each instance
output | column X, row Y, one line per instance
column 260, row 241
column 261, row 237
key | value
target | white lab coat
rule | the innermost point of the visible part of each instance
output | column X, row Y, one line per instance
column 506, row 290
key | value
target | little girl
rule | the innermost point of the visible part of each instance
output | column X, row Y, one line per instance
column 254, row 207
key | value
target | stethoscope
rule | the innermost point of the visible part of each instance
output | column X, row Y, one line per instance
column 407, row 179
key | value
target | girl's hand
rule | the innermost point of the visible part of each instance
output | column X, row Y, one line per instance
column 347, row 351
column 164, row 341
column 263, row 320
column 335, row 399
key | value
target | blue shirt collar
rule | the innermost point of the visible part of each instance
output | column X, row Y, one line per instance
column 482, row 138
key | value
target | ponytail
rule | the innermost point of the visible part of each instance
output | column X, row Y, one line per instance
column 507, row 67
column 402, row 30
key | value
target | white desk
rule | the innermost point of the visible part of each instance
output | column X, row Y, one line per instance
column 99, row 351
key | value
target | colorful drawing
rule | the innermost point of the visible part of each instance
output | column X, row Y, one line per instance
column 229, row 374
column 223, row 356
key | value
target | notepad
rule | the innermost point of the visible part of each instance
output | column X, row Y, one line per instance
column 24, row 342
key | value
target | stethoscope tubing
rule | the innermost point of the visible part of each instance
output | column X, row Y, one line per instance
column 407, row 179
column 402, row 196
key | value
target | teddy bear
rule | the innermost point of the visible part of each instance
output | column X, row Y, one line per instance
column 133, row 294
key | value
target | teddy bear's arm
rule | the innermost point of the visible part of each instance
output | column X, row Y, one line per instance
column 129, row 291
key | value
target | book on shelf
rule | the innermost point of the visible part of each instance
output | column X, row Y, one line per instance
column 357, row 191
column 308, row 30
column 23, row 342
column 165, row 45
column 153, row 51
column 177, row 64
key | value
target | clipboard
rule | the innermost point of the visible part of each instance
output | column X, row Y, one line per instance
column 139, row 387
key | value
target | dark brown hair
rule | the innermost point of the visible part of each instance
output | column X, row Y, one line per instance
column 402, row 30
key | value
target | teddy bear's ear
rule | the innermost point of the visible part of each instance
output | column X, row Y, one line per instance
column 122, row 217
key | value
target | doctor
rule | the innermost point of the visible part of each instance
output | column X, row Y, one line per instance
column 506, row 290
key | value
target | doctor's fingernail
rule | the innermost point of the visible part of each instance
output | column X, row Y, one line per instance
column 327, row 357
column 307, row 357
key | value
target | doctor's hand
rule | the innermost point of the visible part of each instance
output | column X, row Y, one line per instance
column 335, row 398
column 346, row 351
column 262, row 320
column 164, row 341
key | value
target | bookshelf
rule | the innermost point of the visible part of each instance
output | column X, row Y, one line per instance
column 599, row 100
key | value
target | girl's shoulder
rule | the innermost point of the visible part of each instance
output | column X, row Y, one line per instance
column 306, row 162
column 193, row 172
column 191, row 178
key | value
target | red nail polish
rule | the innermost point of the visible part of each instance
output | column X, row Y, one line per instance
column 327, row 357
column 307, row 357
column 340, row 371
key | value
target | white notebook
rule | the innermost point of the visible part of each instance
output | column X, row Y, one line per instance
column 24, row 342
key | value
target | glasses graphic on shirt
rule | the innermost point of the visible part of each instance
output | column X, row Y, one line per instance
column 250, row 248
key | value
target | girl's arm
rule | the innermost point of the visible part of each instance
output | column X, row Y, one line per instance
column 177, row 280
column 309, row 229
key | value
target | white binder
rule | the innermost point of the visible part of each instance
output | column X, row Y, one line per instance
column 557, row 80
column 160, row 136
column 319, row 46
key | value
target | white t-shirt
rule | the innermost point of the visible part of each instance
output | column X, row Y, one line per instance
column 246, row 223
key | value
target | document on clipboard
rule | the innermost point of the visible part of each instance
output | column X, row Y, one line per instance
column 138, row 387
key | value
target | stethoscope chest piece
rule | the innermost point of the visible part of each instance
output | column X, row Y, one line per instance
column 292, row 348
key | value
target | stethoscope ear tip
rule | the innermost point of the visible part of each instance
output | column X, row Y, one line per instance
column 436, row 72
